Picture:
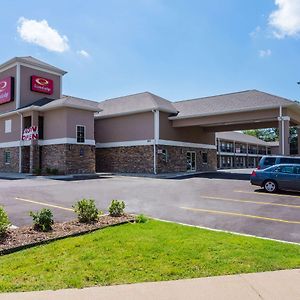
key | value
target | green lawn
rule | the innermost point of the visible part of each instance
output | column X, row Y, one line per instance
column 141, row 252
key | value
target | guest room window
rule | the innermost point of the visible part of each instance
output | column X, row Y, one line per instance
column 80, row 133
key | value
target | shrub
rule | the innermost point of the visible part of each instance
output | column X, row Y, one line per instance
column 4, row 221
column 37, row 171
column 42, row 220
column 116, row 208
column 87, row 211
column 141, row 219
column 50, row 171
column 54, row 171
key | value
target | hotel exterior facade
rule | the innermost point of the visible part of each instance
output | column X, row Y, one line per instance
column 42, row 130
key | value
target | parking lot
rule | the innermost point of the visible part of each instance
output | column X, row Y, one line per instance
column 224, row 201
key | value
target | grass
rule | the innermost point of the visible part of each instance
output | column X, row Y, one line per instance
column 141, row 252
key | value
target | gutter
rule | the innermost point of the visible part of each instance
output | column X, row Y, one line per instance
column 156, row 138
column 228, row 112
column 132, row 112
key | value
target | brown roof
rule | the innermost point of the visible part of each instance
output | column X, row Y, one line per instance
column 73, row 102
column 234, row 102
column 136, row 103
column 240, row 137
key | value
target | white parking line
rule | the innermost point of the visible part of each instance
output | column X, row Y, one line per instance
column 44, row 204
column 250, row 201
column 268, row 194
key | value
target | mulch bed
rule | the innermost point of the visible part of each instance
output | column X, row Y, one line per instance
column 25, row 237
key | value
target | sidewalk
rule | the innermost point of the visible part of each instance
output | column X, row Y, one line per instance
column 279, row 285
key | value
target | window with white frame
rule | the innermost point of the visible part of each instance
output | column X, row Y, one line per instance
column 7, row 126
column 80, row 133
column 7, row 157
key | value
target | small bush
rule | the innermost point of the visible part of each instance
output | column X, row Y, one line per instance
column 87, row 211
column 116, row 208
column 50, row 171
column 4, row 221
column 141, row 219
column 54, row 171
column 42, row 220
column 37, row 171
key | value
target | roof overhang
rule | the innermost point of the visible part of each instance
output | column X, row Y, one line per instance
column 133, row 112
column 22, row 62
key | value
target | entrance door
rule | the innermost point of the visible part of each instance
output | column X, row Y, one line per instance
column 191, row 161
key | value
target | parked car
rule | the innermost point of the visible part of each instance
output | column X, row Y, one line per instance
column 271, row 160
column 278, row 177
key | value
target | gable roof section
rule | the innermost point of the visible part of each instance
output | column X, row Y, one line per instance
column 45, row 104
column 229, row 103
column 29, row 60
column 72, row 102
column 136, row 103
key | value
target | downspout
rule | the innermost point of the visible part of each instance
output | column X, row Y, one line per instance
column 156, row 138
column 20, row 147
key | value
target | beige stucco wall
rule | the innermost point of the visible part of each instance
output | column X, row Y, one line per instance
column 55, row 124
column 194, row 134
column 15, row 133
column 61, row 123
column 28, row 96
column 80, row 117
column 125, row 128
column 10, row 105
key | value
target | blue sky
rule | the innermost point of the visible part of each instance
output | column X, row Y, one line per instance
column 174, row 48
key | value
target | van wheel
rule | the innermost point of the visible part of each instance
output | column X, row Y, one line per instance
column 270, row 186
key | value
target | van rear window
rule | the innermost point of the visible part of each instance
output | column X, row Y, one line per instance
column 289, row 160
column 270, row 161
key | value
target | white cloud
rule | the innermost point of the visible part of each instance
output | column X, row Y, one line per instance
column 83, row 53
column 285, row 20
column 265, row 53
column 40, row 33
column 255, row 32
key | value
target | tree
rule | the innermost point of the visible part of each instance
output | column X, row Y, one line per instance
column 272, row 135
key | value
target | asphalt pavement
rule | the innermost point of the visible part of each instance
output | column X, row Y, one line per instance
column 222, row 201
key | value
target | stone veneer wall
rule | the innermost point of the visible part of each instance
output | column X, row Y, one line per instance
column 69, row 158
column 14, row 165
column 139, row 159
column 25, row 159
column 177, row 159
column 135, row 159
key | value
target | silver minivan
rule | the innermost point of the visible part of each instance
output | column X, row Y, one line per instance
column 271, row 160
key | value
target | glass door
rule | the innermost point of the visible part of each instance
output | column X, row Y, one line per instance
column 191, row 161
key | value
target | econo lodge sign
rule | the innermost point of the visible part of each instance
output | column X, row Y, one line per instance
column 41, row 85
column 6, row 90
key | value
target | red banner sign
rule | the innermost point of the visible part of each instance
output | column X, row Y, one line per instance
column 31, row 133
column 6, row 90
column 41, row 85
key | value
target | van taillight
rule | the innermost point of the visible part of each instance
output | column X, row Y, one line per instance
column 253, row 173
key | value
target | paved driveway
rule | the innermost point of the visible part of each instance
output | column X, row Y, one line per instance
column 224, row 201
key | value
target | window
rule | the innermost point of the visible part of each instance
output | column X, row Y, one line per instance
column 7, row 157
column 287, row 169
column 165, row 155
column 297, row 170
column 80, row 133
column 204, row 157
column 7, row 126
column 269, row 161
